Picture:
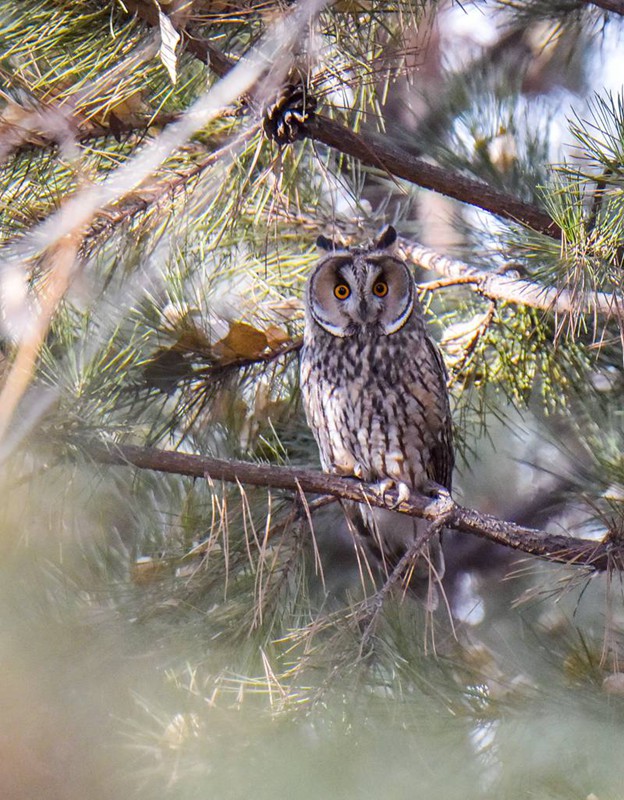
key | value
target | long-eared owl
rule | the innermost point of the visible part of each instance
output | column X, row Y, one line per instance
column 375, row 396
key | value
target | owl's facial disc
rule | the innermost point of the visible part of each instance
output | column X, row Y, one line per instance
column 331, row 292
column 390, row 291
column 348, row 294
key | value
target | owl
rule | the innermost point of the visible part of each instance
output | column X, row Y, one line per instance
column 375, row 396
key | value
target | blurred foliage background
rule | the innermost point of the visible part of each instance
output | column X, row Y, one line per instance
column 168, row 637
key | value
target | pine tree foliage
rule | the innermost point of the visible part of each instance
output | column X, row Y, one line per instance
column 191, row 637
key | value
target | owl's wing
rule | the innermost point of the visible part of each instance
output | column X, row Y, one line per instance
column 442, row 454
column 314, row 391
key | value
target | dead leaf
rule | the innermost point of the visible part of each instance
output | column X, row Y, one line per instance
column 169, row 39
column 242, row 341
column 276, row 336
column 146, row 571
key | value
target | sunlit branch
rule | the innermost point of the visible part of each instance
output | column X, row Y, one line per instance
column 595, row 555
column 498, row 286
column 60, row 266
column 150, row 195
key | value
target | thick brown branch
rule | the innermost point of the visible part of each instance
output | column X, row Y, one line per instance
column 597, row 556
column 515, row 290
column 379, row 151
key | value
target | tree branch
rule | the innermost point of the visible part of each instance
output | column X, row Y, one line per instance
column 515, row 290
column 32, row 135
column 380, row 152
column 617, row 6
column 167, row 187
column 598, row 556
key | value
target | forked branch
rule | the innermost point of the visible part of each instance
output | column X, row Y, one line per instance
column 597, row 556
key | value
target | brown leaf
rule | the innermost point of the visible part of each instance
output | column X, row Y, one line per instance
column 242, row 341
column 146, row 571
column 276, row 336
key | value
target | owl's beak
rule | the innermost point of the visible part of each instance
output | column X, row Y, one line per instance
column 363, row 311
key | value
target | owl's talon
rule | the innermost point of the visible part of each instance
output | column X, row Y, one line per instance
column 383, row 487
column 441, row 496
column 403, row 493
column 388, row 485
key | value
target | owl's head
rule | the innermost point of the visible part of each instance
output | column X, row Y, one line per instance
column 355, row 289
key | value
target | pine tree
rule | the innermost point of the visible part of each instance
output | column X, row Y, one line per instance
column 183, row 614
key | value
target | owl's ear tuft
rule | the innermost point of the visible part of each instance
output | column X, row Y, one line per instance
column 326, row 244
column 387, row 239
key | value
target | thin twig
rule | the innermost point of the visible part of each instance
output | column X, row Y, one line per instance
column 373, row 605
column 598, row 556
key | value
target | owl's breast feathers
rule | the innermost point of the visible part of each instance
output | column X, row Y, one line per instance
column 379, row 406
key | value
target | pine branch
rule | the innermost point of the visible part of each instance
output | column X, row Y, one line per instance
column 598, row 556
column 33, row 135
column 167, row 188
column 381, row 152
column 378, row 151
column 515, row 290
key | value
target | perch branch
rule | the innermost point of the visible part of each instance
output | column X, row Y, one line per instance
column 597, row 556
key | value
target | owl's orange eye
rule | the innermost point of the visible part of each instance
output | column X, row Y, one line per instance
column 342, row 291
column 380, row 289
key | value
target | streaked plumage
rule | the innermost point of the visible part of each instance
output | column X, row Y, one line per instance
column 374, row 389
